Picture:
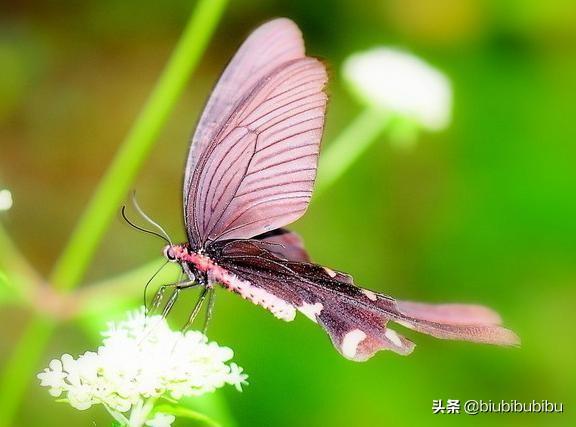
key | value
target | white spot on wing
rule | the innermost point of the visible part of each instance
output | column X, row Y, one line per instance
column 393, row 336
column 330, row 272
column 350, row 342
column 311, row 310
column 371, row 295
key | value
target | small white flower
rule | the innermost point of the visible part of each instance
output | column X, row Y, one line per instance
column 161, row 420
column 237, row 377
column 402, row 84
column 140, row 360
column 5, row 200
column 53, row 377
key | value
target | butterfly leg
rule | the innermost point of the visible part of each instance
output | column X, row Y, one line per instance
column 174, row 296
column 196, row 309
column 171, row 302
column 157, row 299
column 159, row 295
column 209, row 309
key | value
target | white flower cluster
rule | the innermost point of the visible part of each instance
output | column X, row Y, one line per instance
column 402, row 84
column 142, row 359
column 5, row 200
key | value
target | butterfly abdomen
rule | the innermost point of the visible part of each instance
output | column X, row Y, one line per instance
column 277, row 306
column 259, row 296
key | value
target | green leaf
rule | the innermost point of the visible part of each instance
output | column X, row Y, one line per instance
column 181, row 412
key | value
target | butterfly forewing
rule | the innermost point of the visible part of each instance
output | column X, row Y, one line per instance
column 269, row 46
column 253, row 162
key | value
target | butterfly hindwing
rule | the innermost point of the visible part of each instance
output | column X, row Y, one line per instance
column 284, row 244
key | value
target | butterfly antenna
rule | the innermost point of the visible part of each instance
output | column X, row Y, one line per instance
column 137, row 227
column 150, row 220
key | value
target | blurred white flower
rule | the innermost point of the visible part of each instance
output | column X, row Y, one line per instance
column 141, row 360
column 402, row 85
column 5, row 200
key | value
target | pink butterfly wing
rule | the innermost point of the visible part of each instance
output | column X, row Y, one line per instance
column 253, row 162
column 269, row 46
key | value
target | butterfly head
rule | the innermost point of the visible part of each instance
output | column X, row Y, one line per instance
column 174, row 253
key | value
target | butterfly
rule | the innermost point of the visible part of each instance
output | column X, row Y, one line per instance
column 250, row 172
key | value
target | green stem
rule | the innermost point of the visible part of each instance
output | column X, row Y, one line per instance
column 120, row 419
column 140, row 412
column 71, row 266
column 348, row 147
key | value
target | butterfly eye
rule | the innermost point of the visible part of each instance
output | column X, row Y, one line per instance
column 169, row 254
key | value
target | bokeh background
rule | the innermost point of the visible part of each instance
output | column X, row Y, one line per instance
column 483, row 212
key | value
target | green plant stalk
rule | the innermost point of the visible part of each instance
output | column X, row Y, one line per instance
column 118, row 417
column 347, row 148
column 140, row 412
column 73, row 262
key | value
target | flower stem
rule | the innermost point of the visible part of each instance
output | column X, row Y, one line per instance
column 352, row 142
column 73, row 262
column 121, row 419
column 140, row 412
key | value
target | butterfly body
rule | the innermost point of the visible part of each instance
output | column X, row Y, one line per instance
column 203, row 268
column 251, row 171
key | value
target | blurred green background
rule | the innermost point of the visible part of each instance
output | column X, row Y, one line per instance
column 484, row 212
